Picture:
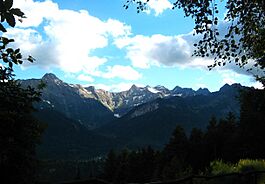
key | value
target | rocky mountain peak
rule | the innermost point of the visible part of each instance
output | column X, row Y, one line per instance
column 184, row 92
column 236, row 85
column 90, row 88
column 51, row 78
column 152, row 90
column 134, row 88
column 225, row 87
column 176, row 88
column 147, row 86
column 203, row 91
column 230, row 88
column 160, row 87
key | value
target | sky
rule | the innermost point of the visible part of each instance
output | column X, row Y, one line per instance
column 99, row 43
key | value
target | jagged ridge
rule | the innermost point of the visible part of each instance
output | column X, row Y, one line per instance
column 95, row 107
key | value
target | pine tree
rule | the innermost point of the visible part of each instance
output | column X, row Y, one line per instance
column 252, row 123
column 197, row 159
column 175, row 155
column 110, row 166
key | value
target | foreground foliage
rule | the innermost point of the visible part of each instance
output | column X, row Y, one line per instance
column 19, row 131
column 243, row 165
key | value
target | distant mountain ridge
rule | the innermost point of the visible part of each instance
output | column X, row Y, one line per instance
column 121, row 102
column 88, row 121
column 94, row 107
column 71, row 99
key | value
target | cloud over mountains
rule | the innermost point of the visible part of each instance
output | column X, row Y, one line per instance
column 69, row 40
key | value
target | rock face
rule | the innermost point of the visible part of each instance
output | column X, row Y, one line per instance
column 122, row 102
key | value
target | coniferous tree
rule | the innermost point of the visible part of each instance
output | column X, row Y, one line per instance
column 135, row 165
column 211, row 139
column 110, row 166
column 196, row 158
column 122, row 171
column 148, row 162
column 252, row 123
column 177, row 146
column 175, row 155
column 228, row 129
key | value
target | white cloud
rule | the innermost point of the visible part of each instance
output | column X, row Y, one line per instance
column 86, row 78
column 146, row 51
column 124, row 72
column 229, row 77
column 64, row 38
column 117, row 28
column 137, row 50
column 160, row 50
column 228, row 80
column 258, row 85
column 158, row 6
column 36, row 12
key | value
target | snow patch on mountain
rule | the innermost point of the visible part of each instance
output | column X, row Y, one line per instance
column 153, row 90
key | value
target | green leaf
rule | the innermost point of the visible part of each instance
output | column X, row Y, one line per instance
column 9, row 50
column 31, row 59
column 17, row 51
column 10, row 64
column 1, row 5
column 8, row 4
column 243, row 58
column 5, row 59
column 19, row 56
column 10, row 19
column 17, row 12
column 2, row 18
column 2, row 28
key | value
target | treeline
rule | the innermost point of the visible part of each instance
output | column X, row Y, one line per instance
column 227, row 139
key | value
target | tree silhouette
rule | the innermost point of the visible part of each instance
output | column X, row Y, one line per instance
column 19, row 131
column 252, row 123
column 197, row 157
column 110, row 166
column 175, row 155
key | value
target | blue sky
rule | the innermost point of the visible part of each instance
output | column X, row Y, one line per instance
column 98, row 42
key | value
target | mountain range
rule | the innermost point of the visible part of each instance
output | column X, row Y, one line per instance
column 85, row 121
column 94, row 107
